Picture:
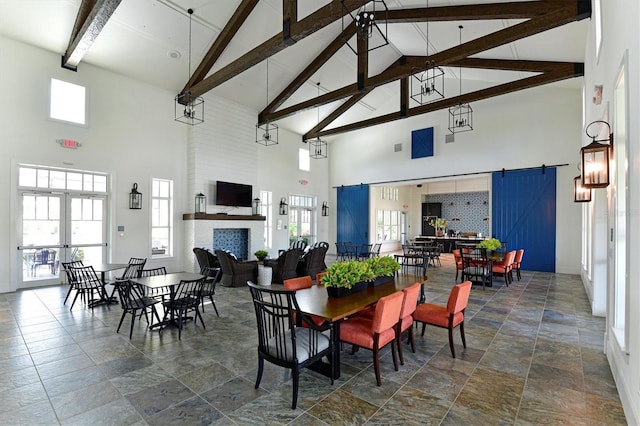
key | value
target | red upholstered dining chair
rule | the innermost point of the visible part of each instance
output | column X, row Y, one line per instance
column 458, row 259
column 300, row 283
column 516, row 263
column 319, row 277
column 449, row 316
column 405, row 323
column 504, row 267
column 377, row 332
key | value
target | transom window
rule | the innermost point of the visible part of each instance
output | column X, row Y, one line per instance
column 51, row 178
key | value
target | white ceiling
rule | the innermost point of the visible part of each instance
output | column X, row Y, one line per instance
column 143, row 37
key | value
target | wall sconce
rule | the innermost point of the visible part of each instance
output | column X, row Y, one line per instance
column 201, row 203
column 580, row 193
column 325, row 209
column 135, row 198
column 595, row 159
column 256, row 207
column 284, row 207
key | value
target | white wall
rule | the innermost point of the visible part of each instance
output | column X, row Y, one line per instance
column 131, row 135
column 518, row 130
column 620, row 37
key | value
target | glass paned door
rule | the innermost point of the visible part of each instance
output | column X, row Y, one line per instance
column 58, row 228
column 42, row 234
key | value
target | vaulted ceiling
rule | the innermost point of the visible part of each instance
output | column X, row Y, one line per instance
column 317, row 84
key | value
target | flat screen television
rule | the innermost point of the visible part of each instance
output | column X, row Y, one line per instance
column 233, row 194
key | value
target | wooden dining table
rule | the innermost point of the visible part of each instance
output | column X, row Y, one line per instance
column 315, row 301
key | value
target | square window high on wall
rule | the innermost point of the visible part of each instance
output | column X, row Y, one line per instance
column 67, row 102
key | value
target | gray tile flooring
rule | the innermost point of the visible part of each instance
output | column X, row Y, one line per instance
column 534, row 356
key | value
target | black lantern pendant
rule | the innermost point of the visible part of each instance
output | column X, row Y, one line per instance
column 135, row 198
column 201, row 203
column 595, row 159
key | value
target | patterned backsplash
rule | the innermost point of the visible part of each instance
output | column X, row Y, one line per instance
column 234, row 240
column 470, row 207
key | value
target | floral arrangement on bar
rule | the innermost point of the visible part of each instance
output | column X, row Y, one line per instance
column 439, row 223
column 490, row 244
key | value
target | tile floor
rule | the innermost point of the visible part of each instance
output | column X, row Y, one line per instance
column 534, row 355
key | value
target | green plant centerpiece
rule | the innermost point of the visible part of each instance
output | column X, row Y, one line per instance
column 439, row 223
column 384, row 266
column 261, row 255
column 490, row 244
column 343, row 278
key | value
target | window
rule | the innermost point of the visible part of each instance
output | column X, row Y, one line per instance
column 304, row 163
column 389, row 193
column 52, row 178
column 266, row 208
column 67, row 102
column 302, row 218
column 161, row 218
column 597, row 24
column 387, row 225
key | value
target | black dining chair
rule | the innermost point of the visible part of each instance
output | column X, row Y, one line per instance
column 88, row 285
column 71, row 278
column 476, row 267
column 133, row 302
column 186, row 299
column 213, row 276
column 281, row 342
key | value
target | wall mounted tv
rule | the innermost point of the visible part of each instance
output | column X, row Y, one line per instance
column 233, row 194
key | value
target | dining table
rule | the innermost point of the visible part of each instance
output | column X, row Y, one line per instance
column 315, row 301
column 103, row 268
column 170, row 281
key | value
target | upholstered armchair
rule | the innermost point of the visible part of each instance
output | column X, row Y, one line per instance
column 284, row 267
column 234, row 272
column 312, row 262
column 205, row 258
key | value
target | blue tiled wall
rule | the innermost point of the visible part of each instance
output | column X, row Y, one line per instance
column 235, row 240
column 470, row 207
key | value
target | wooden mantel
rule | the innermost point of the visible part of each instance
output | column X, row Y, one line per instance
column 218, row 216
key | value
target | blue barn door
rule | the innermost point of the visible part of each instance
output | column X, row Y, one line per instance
column 524, row 215
column 353, row 214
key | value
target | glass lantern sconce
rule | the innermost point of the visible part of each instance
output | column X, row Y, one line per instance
column 201, row 203
column 595, row 159
column 135, row 198
column 325, row 209
column 284, row 207
column 580, row 193
column 256, row 207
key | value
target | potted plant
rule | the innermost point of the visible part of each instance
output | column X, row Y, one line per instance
column 261, row 255
column 490, row 244
column 344, row 278
column 440, row 224
column 383, row 269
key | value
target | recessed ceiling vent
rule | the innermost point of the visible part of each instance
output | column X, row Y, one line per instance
column 397, row 147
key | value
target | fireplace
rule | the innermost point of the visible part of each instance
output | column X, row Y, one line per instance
column 234, row 240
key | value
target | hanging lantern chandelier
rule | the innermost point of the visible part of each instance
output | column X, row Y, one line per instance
column 427, row 85
column 461, row 115
column 318, row 147
column 189, row 109
column 267, row 133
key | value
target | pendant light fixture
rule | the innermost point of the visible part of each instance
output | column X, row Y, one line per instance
column 267, row 133
column 318, row 147
column 460, row 116
column 366, row 24
column 428, row 85
column 189, row 109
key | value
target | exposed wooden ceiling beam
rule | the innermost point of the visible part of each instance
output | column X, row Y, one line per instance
column 222, row 41
column 563, row 72
column 565, row 13
column 306, row 74
column 299, row 30
column 92, row 16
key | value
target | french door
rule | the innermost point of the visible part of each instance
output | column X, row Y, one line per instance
column 301, row 219
column 56, row 228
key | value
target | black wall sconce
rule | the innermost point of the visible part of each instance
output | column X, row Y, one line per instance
column 325, row 209
column 580, row 193
column 284, row 207
column 595, row 159
column 135, row 198
column 201, row 203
